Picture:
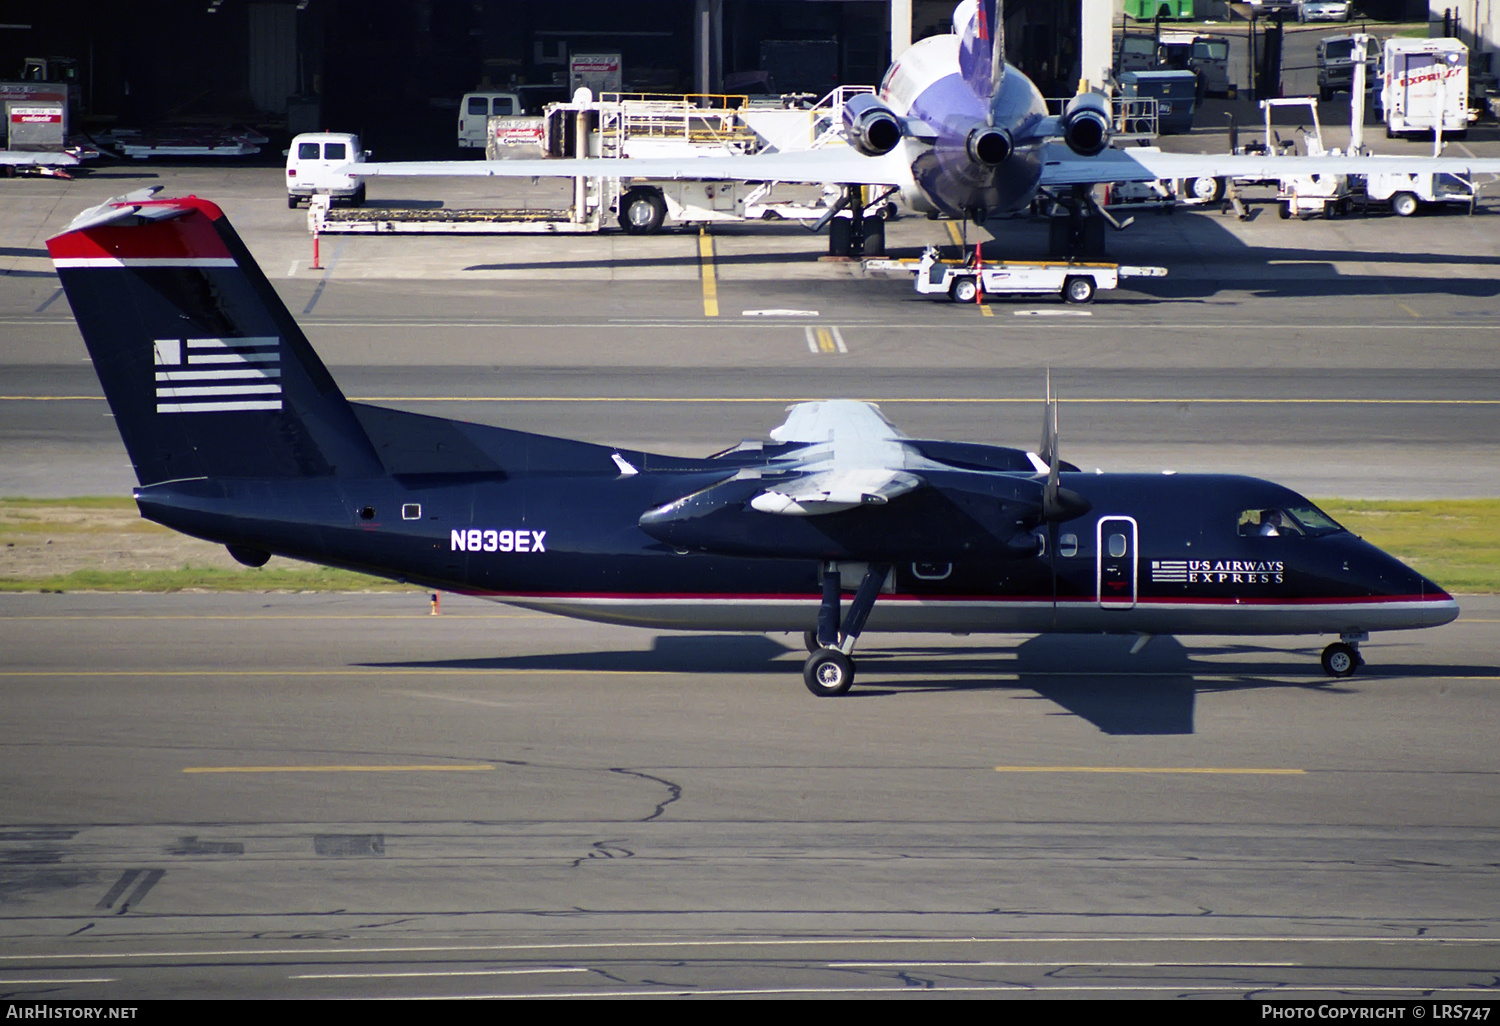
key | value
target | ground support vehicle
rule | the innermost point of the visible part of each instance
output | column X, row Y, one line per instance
column 1425, row 87
column 1337, row 58
column 1306, row 196
column 961, row 281
column 1407, row 193
column 638, row 207
column 619, row 125
column 313, row 166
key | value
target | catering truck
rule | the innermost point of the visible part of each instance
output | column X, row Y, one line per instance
column 1424, row 86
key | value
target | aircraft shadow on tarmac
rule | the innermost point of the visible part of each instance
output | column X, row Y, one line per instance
column 1090, row 676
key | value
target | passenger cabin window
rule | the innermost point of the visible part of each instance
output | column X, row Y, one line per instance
column 335, row 151
column 1117, row 546
column 307, row 151
column 1067, row 545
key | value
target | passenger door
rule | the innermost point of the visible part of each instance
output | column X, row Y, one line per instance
column 1116, row 554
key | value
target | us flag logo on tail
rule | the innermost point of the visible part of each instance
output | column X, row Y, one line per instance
column 209, row 375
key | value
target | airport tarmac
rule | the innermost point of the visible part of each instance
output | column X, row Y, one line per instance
column 321, row 796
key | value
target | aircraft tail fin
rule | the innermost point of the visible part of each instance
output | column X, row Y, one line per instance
column 205, row 371
column 980, row 25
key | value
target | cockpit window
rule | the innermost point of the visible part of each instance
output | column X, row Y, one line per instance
column 1298, row 521
column 1314, row 521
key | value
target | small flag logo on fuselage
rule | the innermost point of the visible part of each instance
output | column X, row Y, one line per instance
column 1169, row 571
column 211, row 375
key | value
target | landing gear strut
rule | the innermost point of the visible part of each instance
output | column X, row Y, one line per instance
column 1078, row 234
column 829, row 671
column 862, row 233
column 1342, row 658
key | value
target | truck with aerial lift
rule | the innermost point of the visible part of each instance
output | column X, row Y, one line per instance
column 618, row 125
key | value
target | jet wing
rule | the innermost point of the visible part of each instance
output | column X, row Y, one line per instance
column 833, row 164
column 1062, row 167
column 23, row 158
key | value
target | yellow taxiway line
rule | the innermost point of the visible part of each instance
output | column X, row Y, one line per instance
column 706, row 264
column 461, row 768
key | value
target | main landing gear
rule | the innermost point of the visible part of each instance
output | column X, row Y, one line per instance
column 829, row 671
column 1078, row 224
column 1342, row 658
column 862, row 233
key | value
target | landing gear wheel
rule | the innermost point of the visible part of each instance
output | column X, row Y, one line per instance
column 810, row 641
column 1078, row 289
column 1206, row 190
column 1339, row 660
column 828, row 673
column 642, row 212
column 840, row 236
column 1404, row 204
column 963, row 290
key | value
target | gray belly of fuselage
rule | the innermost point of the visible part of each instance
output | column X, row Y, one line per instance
column 978, row 616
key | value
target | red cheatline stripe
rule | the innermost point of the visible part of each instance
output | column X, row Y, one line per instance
column 954, row 599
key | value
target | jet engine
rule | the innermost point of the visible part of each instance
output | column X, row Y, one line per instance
column 1086, row 124
column 872, row 127
column 988, row 145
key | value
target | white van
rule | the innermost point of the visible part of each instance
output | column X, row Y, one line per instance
column 311, row 162
column 475, row 111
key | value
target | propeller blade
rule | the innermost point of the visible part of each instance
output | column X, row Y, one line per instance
column 1047, row 450
column 1058, row 503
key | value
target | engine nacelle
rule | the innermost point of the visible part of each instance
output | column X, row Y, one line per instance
column 989, row 146
column 1086, row 124
column 872, row 127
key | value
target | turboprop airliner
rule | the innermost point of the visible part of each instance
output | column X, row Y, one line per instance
column 239, row 435
column 959, row 133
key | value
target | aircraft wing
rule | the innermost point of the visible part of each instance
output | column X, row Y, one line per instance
column 1062, row 167
column 833, row 164
column 19, row 158
column 831, row 491
column 854, row 457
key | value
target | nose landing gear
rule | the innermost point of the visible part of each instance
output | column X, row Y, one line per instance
column 1342, row 658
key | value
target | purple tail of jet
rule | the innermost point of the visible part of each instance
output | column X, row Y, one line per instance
column 981, row 51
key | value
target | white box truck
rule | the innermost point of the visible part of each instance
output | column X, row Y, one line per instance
column 1425, row 86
